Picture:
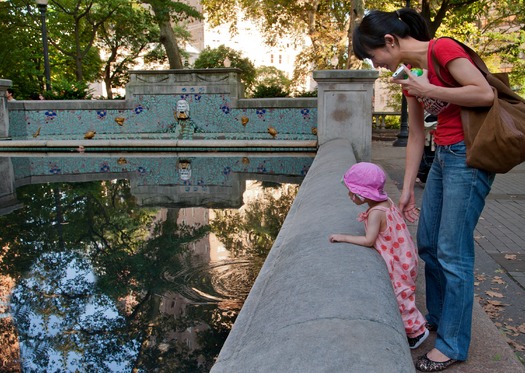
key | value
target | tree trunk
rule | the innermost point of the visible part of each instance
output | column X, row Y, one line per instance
column 107, row 82
column 107, row 72
column 168, row 39
column 358, row 11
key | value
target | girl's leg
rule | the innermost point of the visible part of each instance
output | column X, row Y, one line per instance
column 413, row 319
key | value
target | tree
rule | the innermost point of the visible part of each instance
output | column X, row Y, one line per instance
column 329, row 25
column 165, row 11
column 271, row 82
column 72, row 26
column 215, row 57
column 83, row 20
column 324, row 22
column 124, row 38
column 21, row 58
column 78, row 30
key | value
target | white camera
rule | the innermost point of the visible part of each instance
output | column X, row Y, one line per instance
column 398, row 74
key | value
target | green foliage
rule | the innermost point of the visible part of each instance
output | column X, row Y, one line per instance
column 64, row 89
column 78, row 31
column 130, row 34
column 271, row 82
column 21, row 47
column 262, row 91
column 272, row 76
column 306, row 93
column 325, row 23
column 75, row 49
column 179, row 11
column 215, row 57
column 392, row 121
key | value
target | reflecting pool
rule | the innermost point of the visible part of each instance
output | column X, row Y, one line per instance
column 129, row 263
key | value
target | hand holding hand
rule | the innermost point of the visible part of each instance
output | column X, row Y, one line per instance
column 411, row 213
column 407, row 206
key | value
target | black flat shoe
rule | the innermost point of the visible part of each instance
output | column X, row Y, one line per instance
column 424, row 364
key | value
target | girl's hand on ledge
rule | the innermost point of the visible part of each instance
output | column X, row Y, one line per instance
column 336, row 238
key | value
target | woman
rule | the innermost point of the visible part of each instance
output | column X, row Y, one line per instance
column 454, row 193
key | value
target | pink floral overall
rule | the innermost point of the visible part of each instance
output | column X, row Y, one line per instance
column 400, row 255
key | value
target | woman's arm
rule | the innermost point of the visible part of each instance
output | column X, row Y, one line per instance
column 474, row 90
column 414, row 152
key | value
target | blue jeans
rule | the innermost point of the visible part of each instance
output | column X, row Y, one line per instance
column 453, row 199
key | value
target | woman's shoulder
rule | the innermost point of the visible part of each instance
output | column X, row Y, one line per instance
column 446, row 49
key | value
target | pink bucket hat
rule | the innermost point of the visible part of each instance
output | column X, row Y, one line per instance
column 367, row 180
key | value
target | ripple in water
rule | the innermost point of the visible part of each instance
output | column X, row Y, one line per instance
column 215, row 282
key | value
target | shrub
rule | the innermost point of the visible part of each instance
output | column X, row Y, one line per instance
column 307, row 93
column 263, row 90
column 68, row 90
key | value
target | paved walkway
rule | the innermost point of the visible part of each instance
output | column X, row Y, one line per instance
column 499, row 317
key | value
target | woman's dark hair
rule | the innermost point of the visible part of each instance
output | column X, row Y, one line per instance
column 402, row 23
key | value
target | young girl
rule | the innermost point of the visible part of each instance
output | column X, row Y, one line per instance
column 388, row 233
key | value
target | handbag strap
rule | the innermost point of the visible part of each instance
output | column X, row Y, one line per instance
column 476, row 59
column 480, row 64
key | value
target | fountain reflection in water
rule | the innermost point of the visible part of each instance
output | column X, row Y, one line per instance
column 116, row 273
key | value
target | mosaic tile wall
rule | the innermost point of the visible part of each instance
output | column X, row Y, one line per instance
column 212, row 116
column 205, row 171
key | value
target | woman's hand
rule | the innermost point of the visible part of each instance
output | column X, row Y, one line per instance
column 407, row 206
column 414, row 85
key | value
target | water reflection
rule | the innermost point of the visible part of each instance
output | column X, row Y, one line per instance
column 100, row 281
column 64, row 324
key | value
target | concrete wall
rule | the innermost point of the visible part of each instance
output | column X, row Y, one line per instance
column 317, row 306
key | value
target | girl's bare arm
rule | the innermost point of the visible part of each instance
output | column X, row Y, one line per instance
column 372, row 231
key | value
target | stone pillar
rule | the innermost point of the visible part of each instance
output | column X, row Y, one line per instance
column 345, row 108
column 4, row 115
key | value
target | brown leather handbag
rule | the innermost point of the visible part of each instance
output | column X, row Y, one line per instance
column 495, row 135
